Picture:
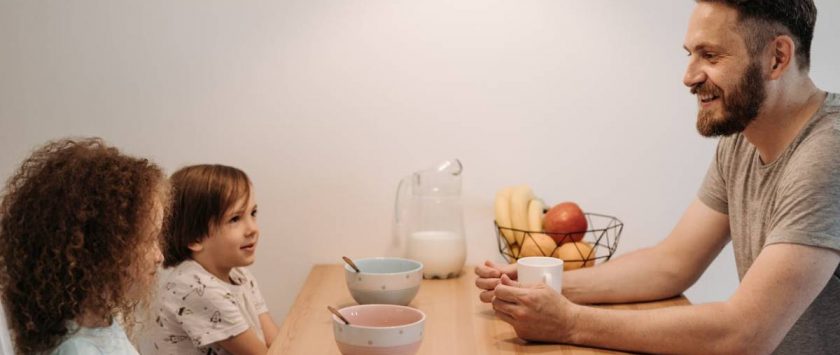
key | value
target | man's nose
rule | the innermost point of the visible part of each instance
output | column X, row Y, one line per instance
column 693, row 75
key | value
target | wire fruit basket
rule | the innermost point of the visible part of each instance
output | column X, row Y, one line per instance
column 602, row 236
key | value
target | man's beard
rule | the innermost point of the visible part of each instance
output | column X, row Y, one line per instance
column 738, row 109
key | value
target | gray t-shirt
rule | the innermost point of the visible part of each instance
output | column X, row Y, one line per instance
column 794, row 199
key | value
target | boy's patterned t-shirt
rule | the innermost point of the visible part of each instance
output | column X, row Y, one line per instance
column 197, row 310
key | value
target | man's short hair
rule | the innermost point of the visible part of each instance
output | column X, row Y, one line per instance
column 762, row 20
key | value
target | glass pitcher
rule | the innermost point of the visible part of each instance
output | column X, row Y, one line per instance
column 429, row 218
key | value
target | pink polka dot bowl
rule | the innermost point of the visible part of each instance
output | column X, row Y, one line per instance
column 379, row 329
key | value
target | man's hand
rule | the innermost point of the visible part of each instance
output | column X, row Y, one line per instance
column 488, row 277
column 536, row 313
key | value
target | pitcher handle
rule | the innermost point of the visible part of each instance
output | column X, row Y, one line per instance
column 399, row 210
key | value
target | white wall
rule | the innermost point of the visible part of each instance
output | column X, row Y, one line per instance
column 328, row 103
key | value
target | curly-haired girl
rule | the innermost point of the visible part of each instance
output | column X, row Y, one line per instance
column 80, row 225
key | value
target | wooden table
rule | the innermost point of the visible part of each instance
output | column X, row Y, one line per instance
column 456, row 320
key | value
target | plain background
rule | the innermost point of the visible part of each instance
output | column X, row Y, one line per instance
column 326, row 104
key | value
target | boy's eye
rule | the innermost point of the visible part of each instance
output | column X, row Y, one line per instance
column 234, row 219
column 254, row 213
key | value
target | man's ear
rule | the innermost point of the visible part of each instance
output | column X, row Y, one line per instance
column 783, row 50
column 195, row 247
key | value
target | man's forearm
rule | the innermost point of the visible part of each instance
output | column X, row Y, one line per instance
column 778, row 288
column 709, row 328
column 642, row 275
column 659, row 272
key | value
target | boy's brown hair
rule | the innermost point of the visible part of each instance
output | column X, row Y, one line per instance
column 74, row 229
column 201, row 194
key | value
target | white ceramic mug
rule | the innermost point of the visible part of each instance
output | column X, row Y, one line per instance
column 535, row 269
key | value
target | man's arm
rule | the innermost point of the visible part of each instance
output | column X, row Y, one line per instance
column 662, row 271
column 775, row 292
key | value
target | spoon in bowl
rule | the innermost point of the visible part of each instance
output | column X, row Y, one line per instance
column 337, row 314
column 350, row 262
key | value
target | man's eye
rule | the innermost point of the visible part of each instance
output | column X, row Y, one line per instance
column 709, row 56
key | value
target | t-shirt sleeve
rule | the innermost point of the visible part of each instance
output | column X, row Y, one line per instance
column 713, row 189
column 206, row 310
column 254, row 289
column 808, row 200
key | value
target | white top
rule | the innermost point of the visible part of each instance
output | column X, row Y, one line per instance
column 5, row 333
column 109, row 340
column 197, row 310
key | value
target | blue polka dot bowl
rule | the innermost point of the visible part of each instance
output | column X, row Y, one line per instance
column 384, row 280
column 379, row 329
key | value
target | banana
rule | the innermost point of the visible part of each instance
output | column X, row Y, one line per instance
column 520, row 197
column 535, row 215
column 537, row 244
column 503, row 214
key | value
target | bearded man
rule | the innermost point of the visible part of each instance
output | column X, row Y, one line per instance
column 773, row 189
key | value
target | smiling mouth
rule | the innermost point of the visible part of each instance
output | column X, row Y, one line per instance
column 706, row 98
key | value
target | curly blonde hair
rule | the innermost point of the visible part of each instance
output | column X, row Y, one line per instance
column 75, row 230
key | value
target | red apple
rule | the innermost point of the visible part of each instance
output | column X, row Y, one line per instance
column 565, row 222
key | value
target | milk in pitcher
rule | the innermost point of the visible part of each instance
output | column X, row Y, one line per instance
column 442, row 253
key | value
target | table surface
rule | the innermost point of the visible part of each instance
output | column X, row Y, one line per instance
column 456, row 320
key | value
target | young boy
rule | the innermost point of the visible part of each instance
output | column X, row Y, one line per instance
column 209, row 303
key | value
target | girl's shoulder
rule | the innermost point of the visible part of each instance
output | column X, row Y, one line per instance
column 105, row 340
column 77, row 346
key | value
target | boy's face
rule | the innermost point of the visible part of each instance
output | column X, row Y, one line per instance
column 232, row 242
